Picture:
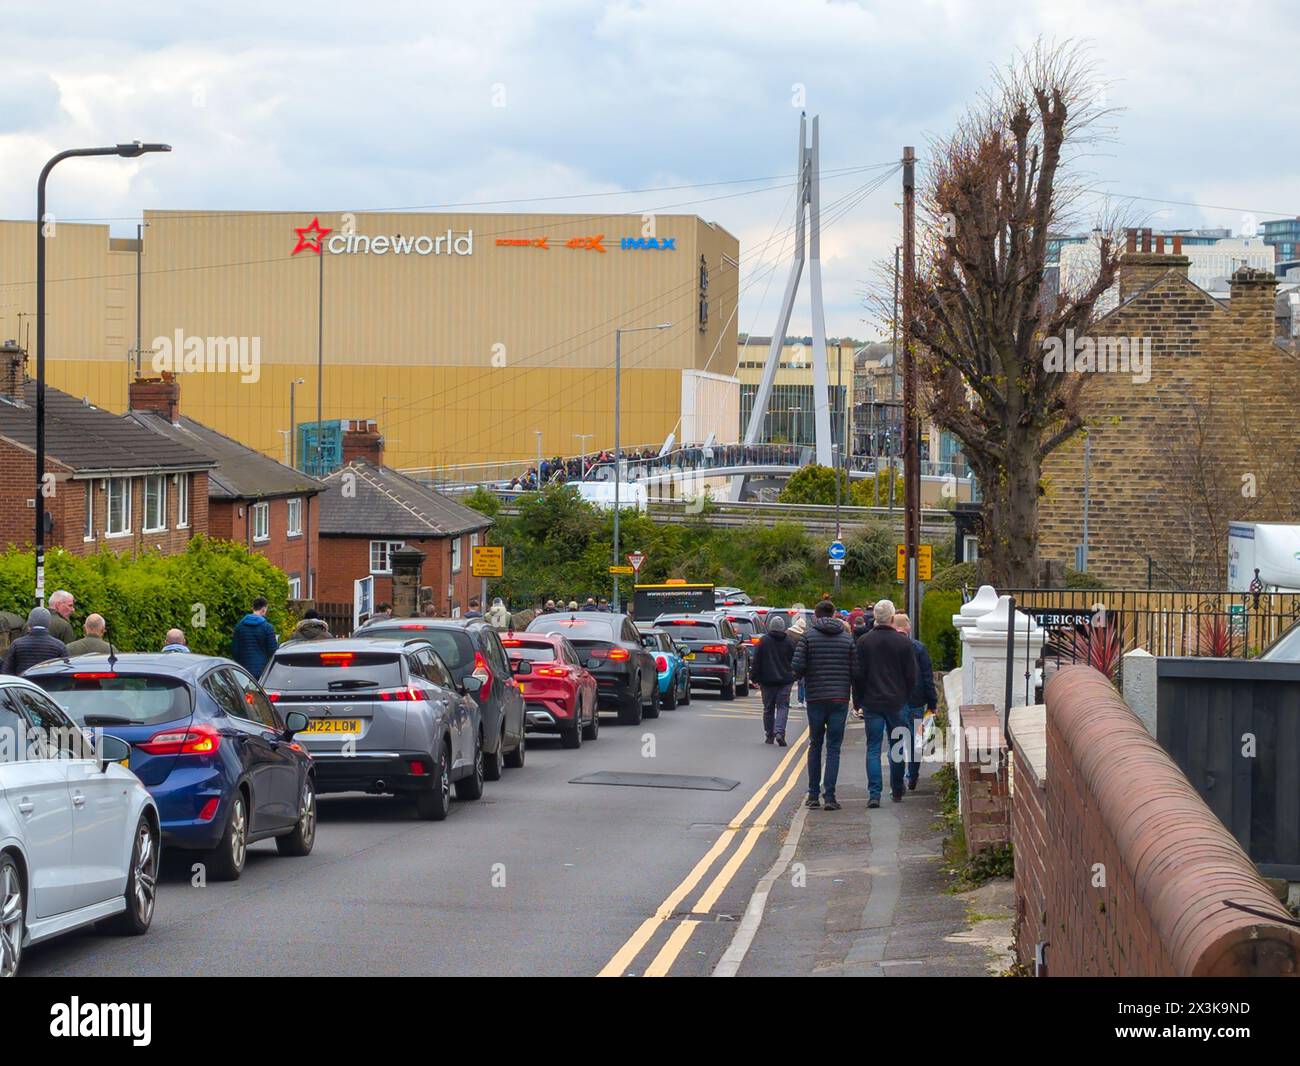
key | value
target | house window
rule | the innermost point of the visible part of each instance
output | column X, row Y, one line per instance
column 455, row 555
column 261, row 521
column 119, row 506
column 89, row 532
column 295, row 587
column 182, row 501
column 380, row 551
column 294, row 520
column 155, row 503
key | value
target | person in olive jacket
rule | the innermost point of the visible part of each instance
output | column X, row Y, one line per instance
column 772, row 658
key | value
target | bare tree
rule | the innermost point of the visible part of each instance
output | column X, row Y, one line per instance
column 997, row 189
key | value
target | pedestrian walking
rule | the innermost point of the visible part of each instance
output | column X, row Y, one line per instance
column 62, row 604
column 475, row 608
column 254, row 641
column 923, row 698
column 797, row 628
column 498, row 614
column 311, row 627
column 885, row 672
column 93, row 643
column 823, row 657
column 175, row 641
column 34, row 646
column 772, row 670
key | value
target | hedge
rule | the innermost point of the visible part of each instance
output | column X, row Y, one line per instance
column 203, row 591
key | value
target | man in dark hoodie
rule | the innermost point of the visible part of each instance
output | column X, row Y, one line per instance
column 35, row 646
column 824, row 659
column 884, row 674
column 772, row 658
column 254, row 641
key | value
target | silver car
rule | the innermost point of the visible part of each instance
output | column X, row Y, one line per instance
column 386, row 717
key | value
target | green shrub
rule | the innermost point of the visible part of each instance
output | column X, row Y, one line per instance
column 870, row 553
column 874, row 492
column 938, row 633
column 1076, row 580
column 953, row 577
column 815, row 485
column 483, row 501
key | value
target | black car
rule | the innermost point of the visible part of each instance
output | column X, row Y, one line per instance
column 611, row 648
column 471, row 646
column 715, row 653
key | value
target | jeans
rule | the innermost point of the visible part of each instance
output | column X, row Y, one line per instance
column 825, row 722
column 802, row 692
column 877, row 724
column 776, row 708
column 912, row 715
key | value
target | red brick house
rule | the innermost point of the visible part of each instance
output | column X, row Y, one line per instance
column 111, row 484
column 369, row 510
column 252, row 499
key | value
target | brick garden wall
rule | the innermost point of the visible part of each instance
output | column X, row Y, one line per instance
column 982, row 770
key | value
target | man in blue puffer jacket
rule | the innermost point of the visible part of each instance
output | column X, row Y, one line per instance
column 254, row 641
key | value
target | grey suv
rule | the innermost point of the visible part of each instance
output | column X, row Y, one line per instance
column 385, row 716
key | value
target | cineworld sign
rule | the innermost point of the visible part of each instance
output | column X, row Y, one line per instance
column 662, row 244
column 315, row 238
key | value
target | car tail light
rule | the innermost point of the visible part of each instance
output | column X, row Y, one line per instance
column 512, row 643
column 417, row 767
column 402, row 695
column 482, row 672
column 96, row 676
column 336, row 658
column 714, row 649
column 619, row 655
column 551, row 671
column 274, row 697
column 661, row 663
column 410, row 625
column 195, row 740
column 755, row 639
column 209, row 810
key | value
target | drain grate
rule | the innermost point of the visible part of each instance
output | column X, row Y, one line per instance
column 618, row 777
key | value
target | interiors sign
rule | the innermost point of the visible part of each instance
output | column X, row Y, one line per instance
column 317, row 238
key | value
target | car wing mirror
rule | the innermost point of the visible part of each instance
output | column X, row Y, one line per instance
column 111, row 749
column 295, row 722
column 521, row 666
column 472, row 685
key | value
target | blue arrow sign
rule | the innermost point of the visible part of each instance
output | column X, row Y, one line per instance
column 836, row 550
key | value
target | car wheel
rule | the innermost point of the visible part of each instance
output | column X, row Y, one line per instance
column 303, row 838
column 653, row 710
column 572, row 737
column 13, row 916
column 515, row 759
column 591, row 730
column 743, row 688
column 686, row 690
column 471, row 788
column 226, row 861
column 669, row 702
column 729, row 689
column 141, row 884
column 494, row 762
column 631, row 711
column 433, row 804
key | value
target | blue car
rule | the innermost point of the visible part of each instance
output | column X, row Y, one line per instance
column 218, row 758
column 674, row 674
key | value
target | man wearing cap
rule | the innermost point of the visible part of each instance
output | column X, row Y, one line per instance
column 35, row 646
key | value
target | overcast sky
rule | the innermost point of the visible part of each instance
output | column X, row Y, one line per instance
column 386, row 104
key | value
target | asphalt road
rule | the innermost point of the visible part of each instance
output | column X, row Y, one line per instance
column 540, row 877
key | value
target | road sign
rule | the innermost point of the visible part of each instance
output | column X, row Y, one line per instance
column 636, row 559
column 622, row 571
column 836, row 564
column 487, row 562
column 924, row 562
column 836, row 551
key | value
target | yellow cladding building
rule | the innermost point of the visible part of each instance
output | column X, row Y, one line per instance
column 462, row 334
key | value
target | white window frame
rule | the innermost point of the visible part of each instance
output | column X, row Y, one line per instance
column 295, row 587
column 182, row 501
column 262, row 517
column 293, row 516
column 126, row 510
column 386, row 548
column 456, row 553
column 160, row 481
column 88, row 529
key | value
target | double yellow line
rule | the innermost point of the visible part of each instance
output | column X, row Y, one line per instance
column 663, row 962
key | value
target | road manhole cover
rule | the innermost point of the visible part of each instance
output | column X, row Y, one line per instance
column 616, row 777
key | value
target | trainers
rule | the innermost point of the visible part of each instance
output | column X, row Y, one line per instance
column 911, row 784
column 769, row 739
column 897, row 797
column 830, row 805
column 812, row 803
column 780, row 740
column 874, row 801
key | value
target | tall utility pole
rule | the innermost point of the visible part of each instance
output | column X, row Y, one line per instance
column 139, row 249
column 320, row 359
column 911, row 421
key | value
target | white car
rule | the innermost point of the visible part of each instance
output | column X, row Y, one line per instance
column 79, row 839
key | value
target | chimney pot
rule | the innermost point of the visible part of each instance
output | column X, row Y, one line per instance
column 161, row 395
column 13, row 372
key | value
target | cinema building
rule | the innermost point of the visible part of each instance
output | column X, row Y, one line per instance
column 463, row 335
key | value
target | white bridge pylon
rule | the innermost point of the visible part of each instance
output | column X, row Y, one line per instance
column 807, row 203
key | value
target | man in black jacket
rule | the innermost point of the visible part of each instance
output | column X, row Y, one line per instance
column 885, row 672
column 824, row 659
column 924, row 698
column 772, row 671
column 34, row 647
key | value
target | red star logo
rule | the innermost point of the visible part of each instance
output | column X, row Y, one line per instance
column 309, row 237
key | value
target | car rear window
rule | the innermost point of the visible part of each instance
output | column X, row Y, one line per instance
column 532, row 650
column 744, row 626
column 108, row 698
column 453, row 646
column 334, row 671
column 687, row 628
column 578, row 629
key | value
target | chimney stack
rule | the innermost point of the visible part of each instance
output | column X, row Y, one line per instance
column 1252, row 303
column 1139, row 266
column 160, row 395
column 361, row 440
column 13, row 371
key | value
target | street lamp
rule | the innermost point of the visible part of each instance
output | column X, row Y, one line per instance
column 618, row 449
column 125, row 151
column 293, row 428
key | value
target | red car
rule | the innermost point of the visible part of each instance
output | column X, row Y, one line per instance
column 559, row 692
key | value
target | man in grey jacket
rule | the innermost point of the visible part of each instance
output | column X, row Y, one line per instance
column 823, row 658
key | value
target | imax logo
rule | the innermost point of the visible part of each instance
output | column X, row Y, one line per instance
column 663, row 244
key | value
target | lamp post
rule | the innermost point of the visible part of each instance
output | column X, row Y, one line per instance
column 293, row 427
column 618, row 450
column 582, row 469
column 539, row 459
column 125, row 151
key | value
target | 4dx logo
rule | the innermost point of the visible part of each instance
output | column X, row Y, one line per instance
column 663, row 244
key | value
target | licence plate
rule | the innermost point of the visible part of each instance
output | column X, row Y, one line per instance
column 333, row 725
column 690, row 655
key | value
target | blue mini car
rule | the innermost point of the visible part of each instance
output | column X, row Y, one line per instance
column 674, row 674
column 217, row 756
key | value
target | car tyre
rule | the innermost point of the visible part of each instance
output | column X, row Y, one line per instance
column 669, row 701
column 652, row 711
column 572, row 737
column 743, row 688
column 13, row 916
column 303, row 838
column 729, row 689
column 141, row 884
column 591, row 731
column 494, row 762
column 226, row 861
column 471, row 787
column 686, row 691
column 515, row 758
column 433, row 804
column 631, row 711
